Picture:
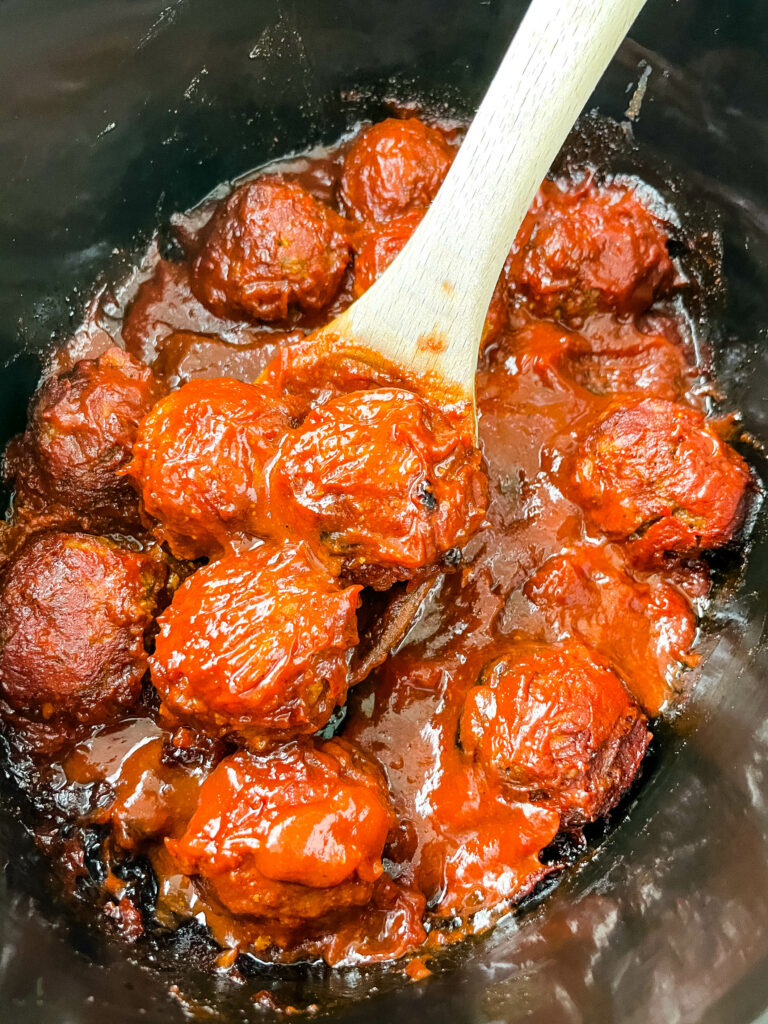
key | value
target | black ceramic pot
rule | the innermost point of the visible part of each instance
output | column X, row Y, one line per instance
column 115, row 113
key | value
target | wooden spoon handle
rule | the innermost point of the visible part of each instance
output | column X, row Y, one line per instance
column 431, row 303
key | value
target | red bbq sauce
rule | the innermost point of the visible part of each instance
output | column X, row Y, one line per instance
column 285, row 495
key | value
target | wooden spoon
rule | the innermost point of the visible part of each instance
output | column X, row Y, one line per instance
column 425, row 314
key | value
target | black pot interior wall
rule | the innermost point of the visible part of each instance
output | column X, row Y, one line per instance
column 116, row 113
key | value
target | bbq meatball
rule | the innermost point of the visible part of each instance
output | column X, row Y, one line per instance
column 257, row 644
column 393, row 167
column 199, row 460
column 382, row 242
column 657, row 473
column 294, row 836
column 555, row 726
column 270, row 246
column 585, row 248
column 476, row 864
column 387, row 482
column 79, row 437
column 614, row 357
column 644, row 630
column 73, row 613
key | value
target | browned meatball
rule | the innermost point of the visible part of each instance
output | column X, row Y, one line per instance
column 295, row 835
column 393, row 167
column 73, row 613
column 81, row 429
column 268, row 247
column 587, row 248
column 555, row 726
column 657, row 473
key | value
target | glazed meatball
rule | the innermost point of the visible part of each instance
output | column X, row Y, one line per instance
column 657, row 473
column 268, row 247
column 295, row 835
column 476, row 865
column 555, row 726
column 645, row 630
column 616, row 357
column 199, row 460
column 257, row 644
column 393, row 167
column 73, row 613
column 585, row 248
column 81, row 429
column 386, row 481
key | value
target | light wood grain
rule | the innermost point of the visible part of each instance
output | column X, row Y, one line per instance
column 426, row 312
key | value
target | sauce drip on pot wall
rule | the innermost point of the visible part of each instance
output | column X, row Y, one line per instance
column 560, row 593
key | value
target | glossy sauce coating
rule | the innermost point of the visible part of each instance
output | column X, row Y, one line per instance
column 164, row 305
column 292, row 835
column 270, row 245
column 393, row 167
column 562, row 561
column 658, row 474
column 644, row 629
column 583, row 249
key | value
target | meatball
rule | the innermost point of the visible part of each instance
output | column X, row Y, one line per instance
column 73, row 613
column 644, row 630
column 81, row 428
column 393, row 167
column 257, row 644
column 495, row 857
column 382, row 242
column 657, row 368
column 657, row 473
column 199, row 463
column 616, row 357
column 589, row 247
column 388, row 482
column 556, row 727
column 270, row 246
column 294, row 836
